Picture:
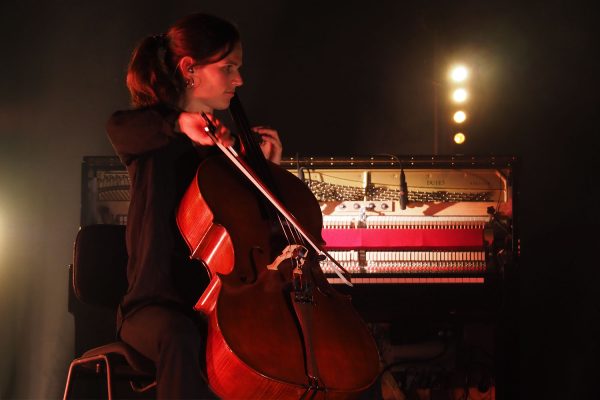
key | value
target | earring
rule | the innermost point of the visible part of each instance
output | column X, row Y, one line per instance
column 189, row 83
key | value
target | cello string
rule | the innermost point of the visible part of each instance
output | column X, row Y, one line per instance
column 281, row 223
column 289, row 220
column 249, row 173
column 254, row 153
column 241, row 120
column 297, row 236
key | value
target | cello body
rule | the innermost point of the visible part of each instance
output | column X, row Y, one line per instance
column 265, row 340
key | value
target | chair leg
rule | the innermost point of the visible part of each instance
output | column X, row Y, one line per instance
column 68, row 384
column 108, row 377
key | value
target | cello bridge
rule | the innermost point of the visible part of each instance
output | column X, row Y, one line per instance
column 296, row 252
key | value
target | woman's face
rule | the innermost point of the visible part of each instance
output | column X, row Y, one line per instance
column 215, row 84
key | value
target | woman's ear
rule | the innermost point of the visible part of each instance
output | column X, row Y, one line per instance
column 186, row 66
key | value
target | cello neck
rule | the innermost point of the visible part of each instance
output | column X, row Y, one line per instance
column 248, row 139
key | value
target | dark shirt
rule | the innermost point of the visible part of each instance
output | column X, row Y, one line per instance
column 161, row 164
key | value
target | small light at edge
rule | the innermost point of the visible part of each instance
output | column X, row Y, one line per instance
column 459, row 138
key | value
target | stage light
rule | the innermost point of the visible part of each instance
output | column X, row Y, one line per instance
column 458, row 87
column 459, row 73
column 459, row 138
column 459, row 117
column 460, row 95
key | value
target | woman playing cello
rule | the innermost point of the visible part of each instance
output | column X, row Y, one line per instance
column 310, row 343
column 172, row 78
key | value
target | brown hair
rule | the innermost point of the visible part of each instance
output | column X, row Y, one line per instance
column 153, row 75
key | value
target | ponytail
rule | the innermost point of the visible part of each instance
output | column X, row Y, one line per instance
column 148, row 77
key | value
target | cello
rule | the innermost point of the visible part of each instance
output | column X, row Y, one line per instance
column 276, row 327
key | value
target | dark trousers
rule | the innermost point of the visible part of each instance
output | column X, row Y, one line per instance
column 173, row 341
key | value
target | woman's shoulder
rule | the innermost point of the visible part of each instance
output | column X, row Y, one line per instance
column 157, row 114
column 138, row 131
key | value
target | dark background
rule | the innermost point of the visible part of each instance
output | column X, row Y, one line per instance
column 335, row 78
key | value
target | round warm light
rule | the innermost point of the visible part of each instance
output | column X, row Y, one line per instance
column 459, row 117
column 459, row 138
column 459, row 73
column 460, row 95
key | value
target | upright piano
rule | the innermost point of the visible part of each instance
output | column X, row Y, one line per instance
column 431, row 261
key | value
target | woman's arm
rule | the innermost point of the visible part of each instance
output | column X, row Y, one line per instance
column 134, row 132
